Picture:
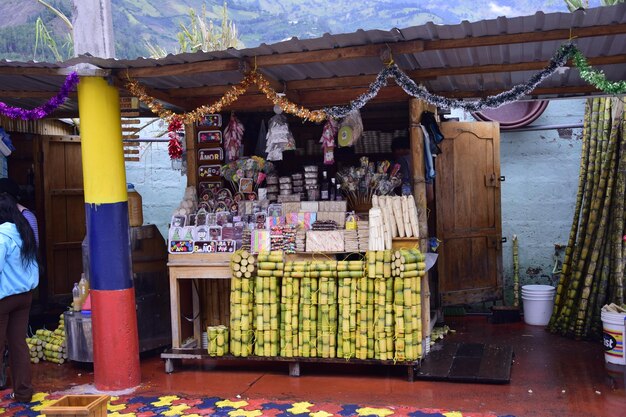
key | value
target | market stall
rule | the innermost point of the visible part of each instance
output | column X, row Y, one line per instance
column 296, row 255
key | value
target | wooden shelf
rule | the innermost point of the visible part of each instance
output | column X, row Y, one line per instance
column 294, row 363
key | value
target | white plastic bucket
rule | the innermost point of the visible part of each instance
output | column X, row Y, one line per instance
column 538, row 302
column 613, row 335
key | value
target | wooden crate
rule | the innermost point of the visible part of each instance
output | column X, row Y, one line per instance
column 78, row 405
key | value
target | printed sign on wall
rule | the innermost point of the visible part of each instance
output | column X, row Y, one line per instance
column 211, row 155
column 209, row 136
column 211, row 120
column 215, row 246
column 208, row 171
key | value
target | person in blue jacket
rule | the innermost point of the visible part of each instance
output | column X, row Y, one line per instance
column 19, row 275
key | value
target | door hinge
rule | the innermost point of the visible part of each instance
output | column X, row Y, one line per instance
column 502, row 178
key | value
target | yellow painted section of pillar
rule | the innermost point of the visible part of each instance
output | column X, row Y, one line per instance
column 104, row 172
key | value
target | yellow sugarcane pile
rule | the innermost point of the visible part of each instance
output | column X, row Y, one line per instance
column 408, row 268
column 218, row 340
column 48, row 345
column 241, row 305
column 365, row 337
column 364, row 309
column 289, row 306
column 326, row 273
column 383, row 307
column 307, row 310
column 270, row 269
column 348, row 275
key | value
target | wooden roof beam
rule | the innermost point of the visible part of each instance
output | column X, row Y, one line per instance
column 365, row 80
column 305, row 57
column 31, row 94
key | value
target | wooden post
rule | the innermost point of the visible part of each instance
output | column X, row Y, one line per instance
column 192, row 162
column 416, row 107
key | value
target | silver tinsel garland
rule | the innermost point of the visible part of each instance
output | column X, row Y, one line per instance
column 411, row 88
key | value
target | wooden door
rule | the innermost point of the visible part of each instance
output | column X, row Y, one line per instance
column 468, row 213
column 62, row 169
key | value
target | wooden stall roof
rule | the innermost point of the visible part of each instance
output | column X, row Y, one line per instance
column 465, row 60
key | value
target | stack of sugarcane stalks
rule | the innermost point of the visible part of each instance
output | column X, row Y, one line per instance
column 270, row 268
column 289, row 308
column 35, row 349
column 242, row 264
column 218, row 340
column 408, row 268
column 241, row 305
column 326, row 273
column 593, row 266
column 383, row 307
column 365, row 337
column 307, row 331
column 48, row 345
column 348, row 275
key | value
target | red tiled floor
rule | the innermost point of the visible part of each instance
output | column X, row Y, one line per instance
column 566, row 377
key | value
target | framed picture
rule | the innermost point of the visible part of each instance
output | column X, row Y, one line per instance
column 209, row 136
column 246, row 185
column 215, row 232
column 179, row 221
column 201, row 233
column 211, row 155
column 209, row 171
column 211, row 120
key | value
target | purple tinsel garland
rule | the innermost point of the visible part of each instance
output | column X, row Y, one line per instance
column 42, row 111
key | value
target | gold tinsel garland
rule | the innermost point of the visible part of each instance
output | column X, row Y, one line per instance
column 231, row 95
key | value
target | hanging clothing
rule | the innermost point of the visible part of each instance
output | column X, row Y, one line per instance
column 429, row 163
column 259, row 149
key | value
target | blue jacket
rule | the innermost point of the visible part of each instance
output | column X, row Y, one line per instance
column 15, row 278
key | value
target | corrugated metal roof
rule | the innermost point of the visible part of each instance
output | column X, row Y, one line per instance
column 539, row 51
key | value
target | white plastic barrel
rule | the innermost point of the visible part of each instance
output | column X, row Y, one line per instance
column 538, row 303
column 613, row 335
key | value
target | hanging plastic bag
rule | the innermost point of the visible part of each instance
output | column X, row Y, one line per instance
column 233, row 135
column 350, row 129
column 279, row 138
column 328, row 140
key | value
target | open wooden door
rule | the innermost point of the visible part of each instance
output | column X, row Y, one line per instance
column 468, row 213
column 62, row 169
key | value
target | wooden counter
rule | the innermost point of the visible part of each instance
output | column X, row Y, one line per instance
column 193, row 266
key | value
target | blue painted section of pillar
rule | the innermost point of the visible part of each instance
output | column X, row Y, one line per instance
column 107, row 228
column 114, row 316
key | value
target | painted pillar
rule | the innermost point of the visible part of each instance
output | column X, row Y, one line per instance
column 114, row 318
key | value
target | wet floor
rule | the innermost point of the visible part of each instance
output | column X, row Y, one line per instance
column 550, row 376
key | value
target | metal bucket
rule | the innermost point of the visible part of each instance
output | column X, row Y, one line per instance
column 78, row 336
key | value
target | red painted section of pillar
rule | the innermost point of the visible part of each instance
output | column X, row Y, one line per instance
column 115, row 340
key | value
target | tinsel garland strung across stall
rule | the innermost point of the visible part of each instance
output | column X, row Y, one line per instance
column 44, row 110
column 411, row 88
column 229, row 98
column 560, row 58
column 194, row 116
column 596, row 77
